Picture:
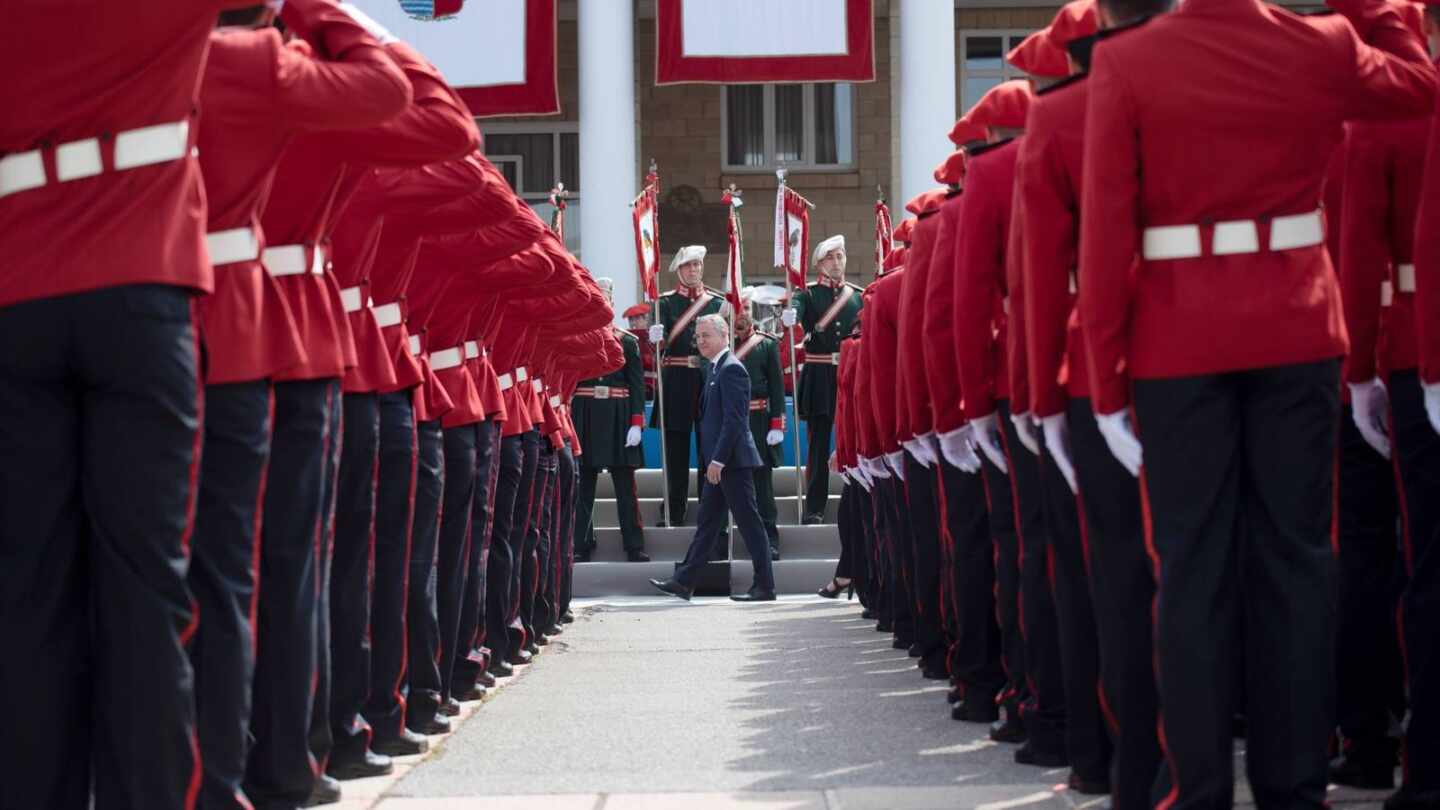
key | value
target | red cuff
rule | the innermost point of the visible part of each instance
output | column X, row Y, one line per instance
column 637, row 420
column 778, row 423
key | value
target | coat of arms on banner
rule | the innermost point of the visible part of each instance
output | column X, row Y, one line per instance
column 432, row 9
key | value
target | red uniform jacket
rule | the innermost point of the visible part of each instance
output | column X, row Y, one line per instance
column 86, row 69
column 1383, row 172
column 882, row 333
column 915, row 292
column 1164, row 147
column 846, row 405
column 867, row 431
column 1015, row 351
column 938, row 342
column 257, row 94
column 980, row 288
column 1048, row 185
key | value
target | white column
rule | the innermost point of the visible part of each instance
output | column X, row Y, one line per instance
column 926, row 93
column 608, row 169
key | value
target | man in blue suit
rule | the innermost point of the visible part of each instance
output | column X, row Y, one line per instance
column 727, row 451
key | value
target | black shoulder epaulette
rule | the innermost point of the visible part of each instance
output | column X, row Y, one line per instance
column 989, row 147
column 1068, row 81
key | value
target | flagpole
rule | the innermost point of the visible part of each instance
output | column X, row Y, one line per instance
column 652, row 180
column 794, row 370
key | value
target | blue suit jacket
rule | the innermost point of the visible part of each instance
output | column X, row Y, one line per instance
column 725, row 416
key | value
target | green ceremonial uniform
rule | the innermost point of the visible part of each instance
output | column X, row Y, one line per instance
column 603, row 410
column 762, row 360
column 815, row 400
column 681, row 386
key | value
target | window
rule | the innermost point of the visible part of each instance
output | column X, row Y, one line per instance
column 982, row 62
column 533, row 158
column 766, row 126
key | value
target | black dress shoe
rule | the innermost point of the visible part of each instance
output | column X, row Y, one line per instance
column 867, row 613
column 429, row 727
column 404, row 744
column 673, row 588
column 915, row 650
column 1028, row 754
column 1012, row 730
column 956, row 694
column 812, row 519
column 774, row 554
column 978, row 710
column 583, row 556
column 754, row 595
column 567, row 617
column 884, row 626
column 500, row 669
column 932, row 673
column 325, row 791
column 362, row 767
column 1090, row 787
column 542, row 640
column 533, row 647
column 485, row 679
column 451, row 707
column 1357, row 772
column 900, row 643
column 519, row 657
column 637, row 555
column 555, row 629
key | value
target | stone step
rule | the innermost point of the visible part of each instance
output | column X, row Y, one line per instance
column 648, row 483
column 599, row 579
column 670, row 544
column 786, row 509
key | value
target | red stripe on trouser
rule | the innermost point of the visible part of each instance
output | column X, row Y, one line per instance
column 1406, row 544
column 323, row 530
column 259, row 525
column 1085, row 548
column 1145, row 515
column 192, row 790
column 402, row 672
column 945, row 542
column 1019, row 557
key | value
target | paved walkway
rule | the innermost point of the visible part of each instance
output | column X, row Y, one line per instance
column 654, row 704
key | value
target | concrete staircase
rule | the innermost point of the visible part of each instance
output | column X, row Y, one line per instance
column 808, row 553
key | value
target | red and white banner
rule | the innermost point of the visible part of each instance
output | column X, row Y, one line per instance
column 645, row 215
column 884, row 242
column 734, row 260
column 792, row 235
column 752, row 41
column 499, row 54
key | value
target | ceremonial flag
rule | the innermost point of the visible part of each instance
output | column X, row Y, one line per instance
column 884, row 243
column 733, row 281
column 647, row 237
column 499, row 54
column 792, row 235
column 749, row 41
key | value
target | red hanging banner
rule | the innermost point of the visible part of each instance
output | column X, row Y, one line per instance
column 645, row 215
column 884, row 242
column 792, row 235
column 753, row 41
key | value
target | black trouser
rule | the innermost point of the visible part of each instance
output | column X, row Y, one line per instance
column 1417, row 449
column 321, row 735
column 538, row 540
column 627, row 509
column 1123, row 588
column 817, row 460
column 394, row 510
column 422, row 619
column 281, row 771
column 505, row 544
column 523, row 542
column 100, row 406
column 975, row 659
column 474, row 609
column 765, row 502
column 569, row 485
column 1239, row 473
column 677, row 474
column 224, row 558
column 894, row 550
column 847, row 523
column 868, row 567
column 1005, row 537
column 1044, row 708
column 1087, row 744
column 923, row 511
column 452, row 563
column 547, row 591
column 1368, row 647
column 350, row 577
column 735, row 493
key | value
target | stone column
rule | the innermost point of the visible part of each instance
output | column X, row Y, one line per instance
column 926, row 93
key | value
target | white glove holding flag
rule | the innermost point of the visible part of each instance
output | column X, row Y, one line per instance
column 958, row 447
column 787, row 317
column 1057, row 444
column 987, row 435
column 1120, row 436
column 1025, row 428
column 896, row 462
column 371, row 27
column 774, row 437
column 657, row 333
column 1432, row 404
column 632, row 436
column 1371, row 405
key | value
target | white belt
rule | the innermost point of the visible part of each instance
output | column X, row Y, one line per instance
column 520, row 374
column 387, row 315
column 554, row 400
column 472, row 350
column 506, row 381
column 536, row 385
column 1233, row 237
column 351, row 299
column 145, row 146
column 414, row 345
column 291, row 260
column 445, row 358
column 233, row 245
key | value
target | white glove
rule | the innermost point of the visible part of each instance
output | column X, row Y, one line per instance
column 1371, row 404
column 987, row 435
column 632, row 436
column 921, row 450
column 874, row 468
column 862, row 478
column 774, row 437
column 1120, row 436
column 1432, row 404
column 896, row 462
column 1057, row 444
column 371, row 27
column 1025, row 428
column 958, row 447
column 657, row 333
column 787, row 317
